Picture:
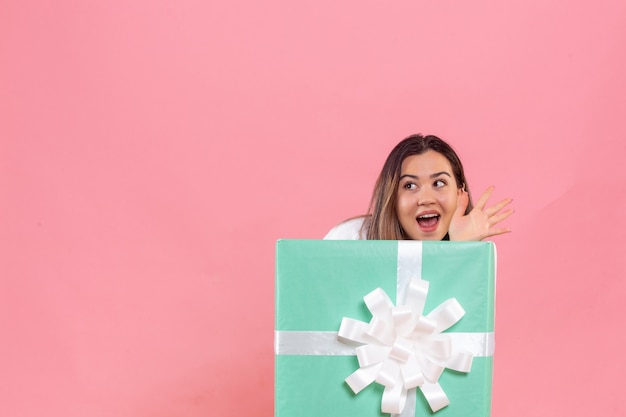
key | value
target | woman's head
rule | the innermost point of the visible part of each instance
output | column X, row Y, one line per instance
column 415, row 194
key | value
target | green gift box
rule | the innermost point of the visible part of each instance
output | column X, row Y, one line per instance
column 319, row 283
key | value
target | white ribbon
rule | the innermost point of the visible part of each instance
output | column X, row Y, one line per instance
column 289, row 342
column 401, row 348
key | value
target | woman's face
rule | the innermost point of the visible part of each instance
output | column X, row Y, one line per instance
column 427, row 196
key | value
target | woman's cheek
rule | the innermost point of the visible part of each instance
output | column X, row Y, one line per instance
column 450, row 203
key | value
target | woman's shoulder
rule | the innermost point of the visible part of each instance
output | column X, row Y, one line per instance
column 348, row 230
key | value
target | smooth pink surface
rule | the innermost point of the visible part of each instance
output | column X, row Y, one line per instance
column 151, row 153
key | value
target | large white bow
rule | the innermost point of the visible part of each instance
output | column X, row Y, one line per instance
column 401, row 348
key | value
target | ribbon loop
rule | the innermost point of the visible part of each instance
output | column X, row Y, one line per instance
column 389, row 374
column 371, row 354
column 446, row 314
column 378, row 303
column 461, row 362
column 394, row 399
column 403, row 319
column 438, row 347
column 434, row 394
column 412, row 373
column 401, row 350
column 352, row 330
column 362, row 377
column 416, row 295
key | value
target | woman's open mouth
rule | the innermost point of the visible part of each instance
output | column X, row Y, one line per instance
column 428, row 222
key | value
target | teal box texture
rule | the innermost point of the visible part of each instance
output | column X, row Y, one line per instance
column 320, row 282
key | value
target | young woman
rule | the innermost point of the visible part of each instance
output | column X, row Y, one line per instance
column 422, row 194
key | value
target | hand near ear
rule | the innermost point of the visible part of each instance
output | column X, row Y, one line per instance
column 479, row 223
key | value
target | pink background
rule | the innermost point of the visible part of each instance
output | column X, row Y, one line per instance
column 152, row 152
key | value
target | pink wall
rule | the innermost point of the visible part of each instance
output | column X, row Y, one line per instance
column 151, row 152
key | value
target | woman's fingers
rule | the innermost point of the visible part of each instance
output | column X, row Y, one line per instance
column 482, row 201
column 499, row 206
column 494, row 214
column 498, row 231
column 495, row 219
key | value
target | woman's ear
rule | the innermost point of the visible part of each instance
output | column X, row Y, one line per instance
column 461, row 190
column 462, row 201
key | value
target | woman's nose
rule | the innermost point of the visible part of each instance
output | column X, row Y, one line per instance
column 425, row 196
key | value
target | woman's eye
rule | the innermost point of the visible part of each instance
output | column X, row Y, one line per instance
column 440, row 183
column 410, row 186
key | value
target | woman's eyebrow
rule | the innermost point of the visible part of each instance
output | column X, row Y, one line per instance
column 435, row 175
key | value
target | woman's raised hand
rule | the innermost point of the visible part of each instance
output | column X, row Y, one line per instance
column 479, row 223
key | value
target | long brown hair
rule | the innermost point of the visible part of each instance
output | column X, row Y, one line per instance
column 382, row 222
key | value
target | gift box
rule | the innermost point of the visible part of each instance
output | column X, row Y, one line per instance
column 364, row 324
